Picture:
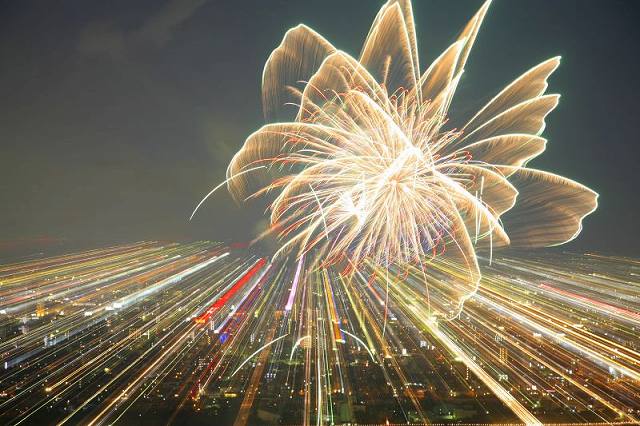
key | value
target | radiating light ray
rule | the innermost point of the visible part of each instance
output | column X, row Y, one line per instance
column 257, row 352
column 295, row 346
column 519, row 337
column 361, row 342
column 220, row 185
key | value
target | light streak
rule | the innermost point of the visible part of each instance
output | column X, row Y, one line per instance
column 521, row 339
column 220, row 185
column 222, row 300
column 294, row 286
column 295, row 346
column 237, row 306
column 257, row 352
column 361, row 342
column 504, row 396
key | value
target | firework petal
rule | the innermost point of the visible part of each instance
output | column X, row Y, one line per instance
column 387, row 51
column 338, row 74
column 506, row 150
column 526, row 117
column 529, row 85
column 550, row 208
column 299, row 55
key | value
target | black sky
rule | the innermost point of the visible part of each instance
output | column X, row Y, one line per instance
column 117, row 117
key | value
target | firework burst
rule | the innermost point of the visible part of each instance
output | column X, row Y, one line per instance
column 366, row 168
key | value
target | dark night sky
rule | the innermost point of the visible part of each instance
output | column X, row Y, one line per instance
column 117, row 117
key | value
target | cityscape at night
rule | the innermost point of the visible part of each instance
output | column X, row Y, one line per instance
column 334, row 212
column 193, row 333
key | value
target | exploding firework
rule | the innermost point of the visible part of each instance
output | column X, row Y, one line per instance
column 362, row 166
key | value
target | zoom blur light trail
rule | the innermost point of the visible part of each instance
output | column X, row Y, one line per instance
column 111, row 336
column 222, row 300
